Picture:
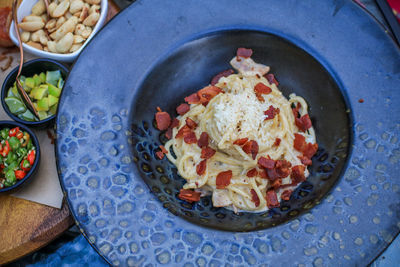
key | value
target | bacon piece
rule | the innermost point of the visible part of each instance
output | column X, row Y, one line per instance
column 182, row 108
column 168, row 133
column 272, row 199
column 255, row 198
column 298, row 174
column 303, row 123
column 190, row 138
column 304, row 160
column 266, row 163
column 163, row 120
column 208, row 93
column 241, row 141
column 310, row 150
column 251, row 147
column 184, row 131
column 286, row 194
column 207, row 152
column 189, row 195
column 276, row 184
column 271, row 113
column 277, row 142
column 271, row 78
column 174, row 123
column 192, row 99
column 203, row 140
column 244, row 52
column 160, row 154
column 191, row 123
column 261, row 88
column 224, row 73
column 201, row 167
column 251, row 173
column 299, row 142
column 282, row 168
column 163, row 149
column 296, row 110
column 263, row 174
column 223, row 179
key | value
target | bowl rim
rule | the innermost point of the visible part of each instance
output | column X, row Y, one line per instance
column 12, row 73
column 37, row 158
column 57, row 56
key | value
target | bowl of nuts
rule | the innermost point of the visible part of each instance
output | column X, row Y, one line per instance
column 63, row 34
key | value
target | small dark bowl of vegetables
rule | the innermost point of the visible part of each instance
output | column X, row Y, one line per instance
column 43, row 80
column 19, row 155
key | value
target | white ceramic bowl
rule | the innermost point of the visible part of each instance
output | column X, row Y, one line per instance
column 25, row 9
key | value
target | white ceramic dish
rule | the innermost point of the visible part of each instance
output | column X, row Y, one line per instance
column 25, row 9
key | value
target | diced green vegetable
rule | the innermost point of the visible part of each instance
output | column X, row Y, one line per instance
column 22, row 151
column 37, row 80
column 60, row 83
column 15, row 91
column 53, row 109
column 27, row 116
column 42, row 115
column 29, row 82
column 4, row 133
column 42, row 76
column 52, row 77
column 43, row 104
column 54, row 91
column 39, row 92
column 15, row 105
column 11, row 157
column 10, row 176
column 52, row 100
column 14, row 142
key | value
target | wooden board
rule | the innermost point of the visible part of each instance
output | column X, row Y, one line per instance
column 26, row 226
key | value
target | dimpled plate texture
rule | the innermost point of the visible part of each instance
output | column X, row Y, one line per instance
column 97, row 150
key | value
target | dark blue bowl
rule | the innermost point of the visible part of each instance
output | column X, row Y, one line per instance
column 35, row 166
column 31, row 68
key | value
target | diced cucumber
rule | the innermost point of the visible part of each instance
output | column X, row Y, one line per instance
column 53, row 109
column 60, row 83
column 27, row 116
column 15, row 105
column 52, row 77
column 37, row 80
column 43, row 104
column 42, row 115
column 42, row 76
column 29, row 82
column 52, row 100
column 54, row 91
column 39, row 92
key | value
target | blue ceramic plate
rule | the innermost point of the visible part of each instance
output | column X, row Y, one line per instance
column 156, row 52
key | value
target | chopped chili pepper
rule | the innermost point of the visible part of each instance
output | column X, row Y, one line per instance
column 19, row 135
column 6, row 149
column 31, row 157
column 13, row 131
column 19, row 174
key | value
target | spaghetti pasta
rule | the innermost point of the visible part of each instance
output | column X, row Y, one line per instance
column 242, row 141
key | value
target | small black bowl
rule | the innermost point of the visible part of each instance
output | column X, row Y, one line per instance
column 29, row 69
column 35, row 141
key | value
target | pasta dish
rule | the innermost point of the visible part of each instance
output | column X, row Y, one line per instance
column 240, row 139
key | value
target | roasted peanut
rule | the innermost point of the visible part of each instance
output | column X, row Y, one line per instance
column 68, row 15
column 51, row 24
column 25, row 36
column 43, row 40
column 52, row 7
column 60, row 22
column 93, row 2
column 68, row 26
column 76, row 6
column 86, row 32
column 35, row 45
column 78, row 39
column 31, row 26
column 84, row 14
column 36, row 35
column 61, row 9
column 39, row 8
column 79, row 29
column 75, row 47
column 94, row 8
column 51, row 45
column 65, row 43
column 46, row 49
column 92, row 19
column 32, row 18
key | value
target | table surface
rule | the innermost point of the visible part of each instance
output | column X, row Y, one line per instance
column 46, row 223
column 27, row 226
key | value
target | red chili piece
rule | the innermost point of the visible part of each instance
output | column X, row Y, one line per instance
column 251, row 147
column 271, row 78
column 182, row 108
column 190, row 138
column 277, row 142
column 244, row 52
column 304, row 123
column 254, row 197
column 19, row 174
column 13, row 131
column 189, row 195
column 31, row 157
column 191, row 123
column 207, row 152
column 240, row 141
column 6, row 149
column 271, row 113
column 286, row 194
column 192, row 99
column 224, row 73
column 251, row 173
column 203, row 140
column 223, row 179
column 163, row 120
column 201, row 167
column 272, row 199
